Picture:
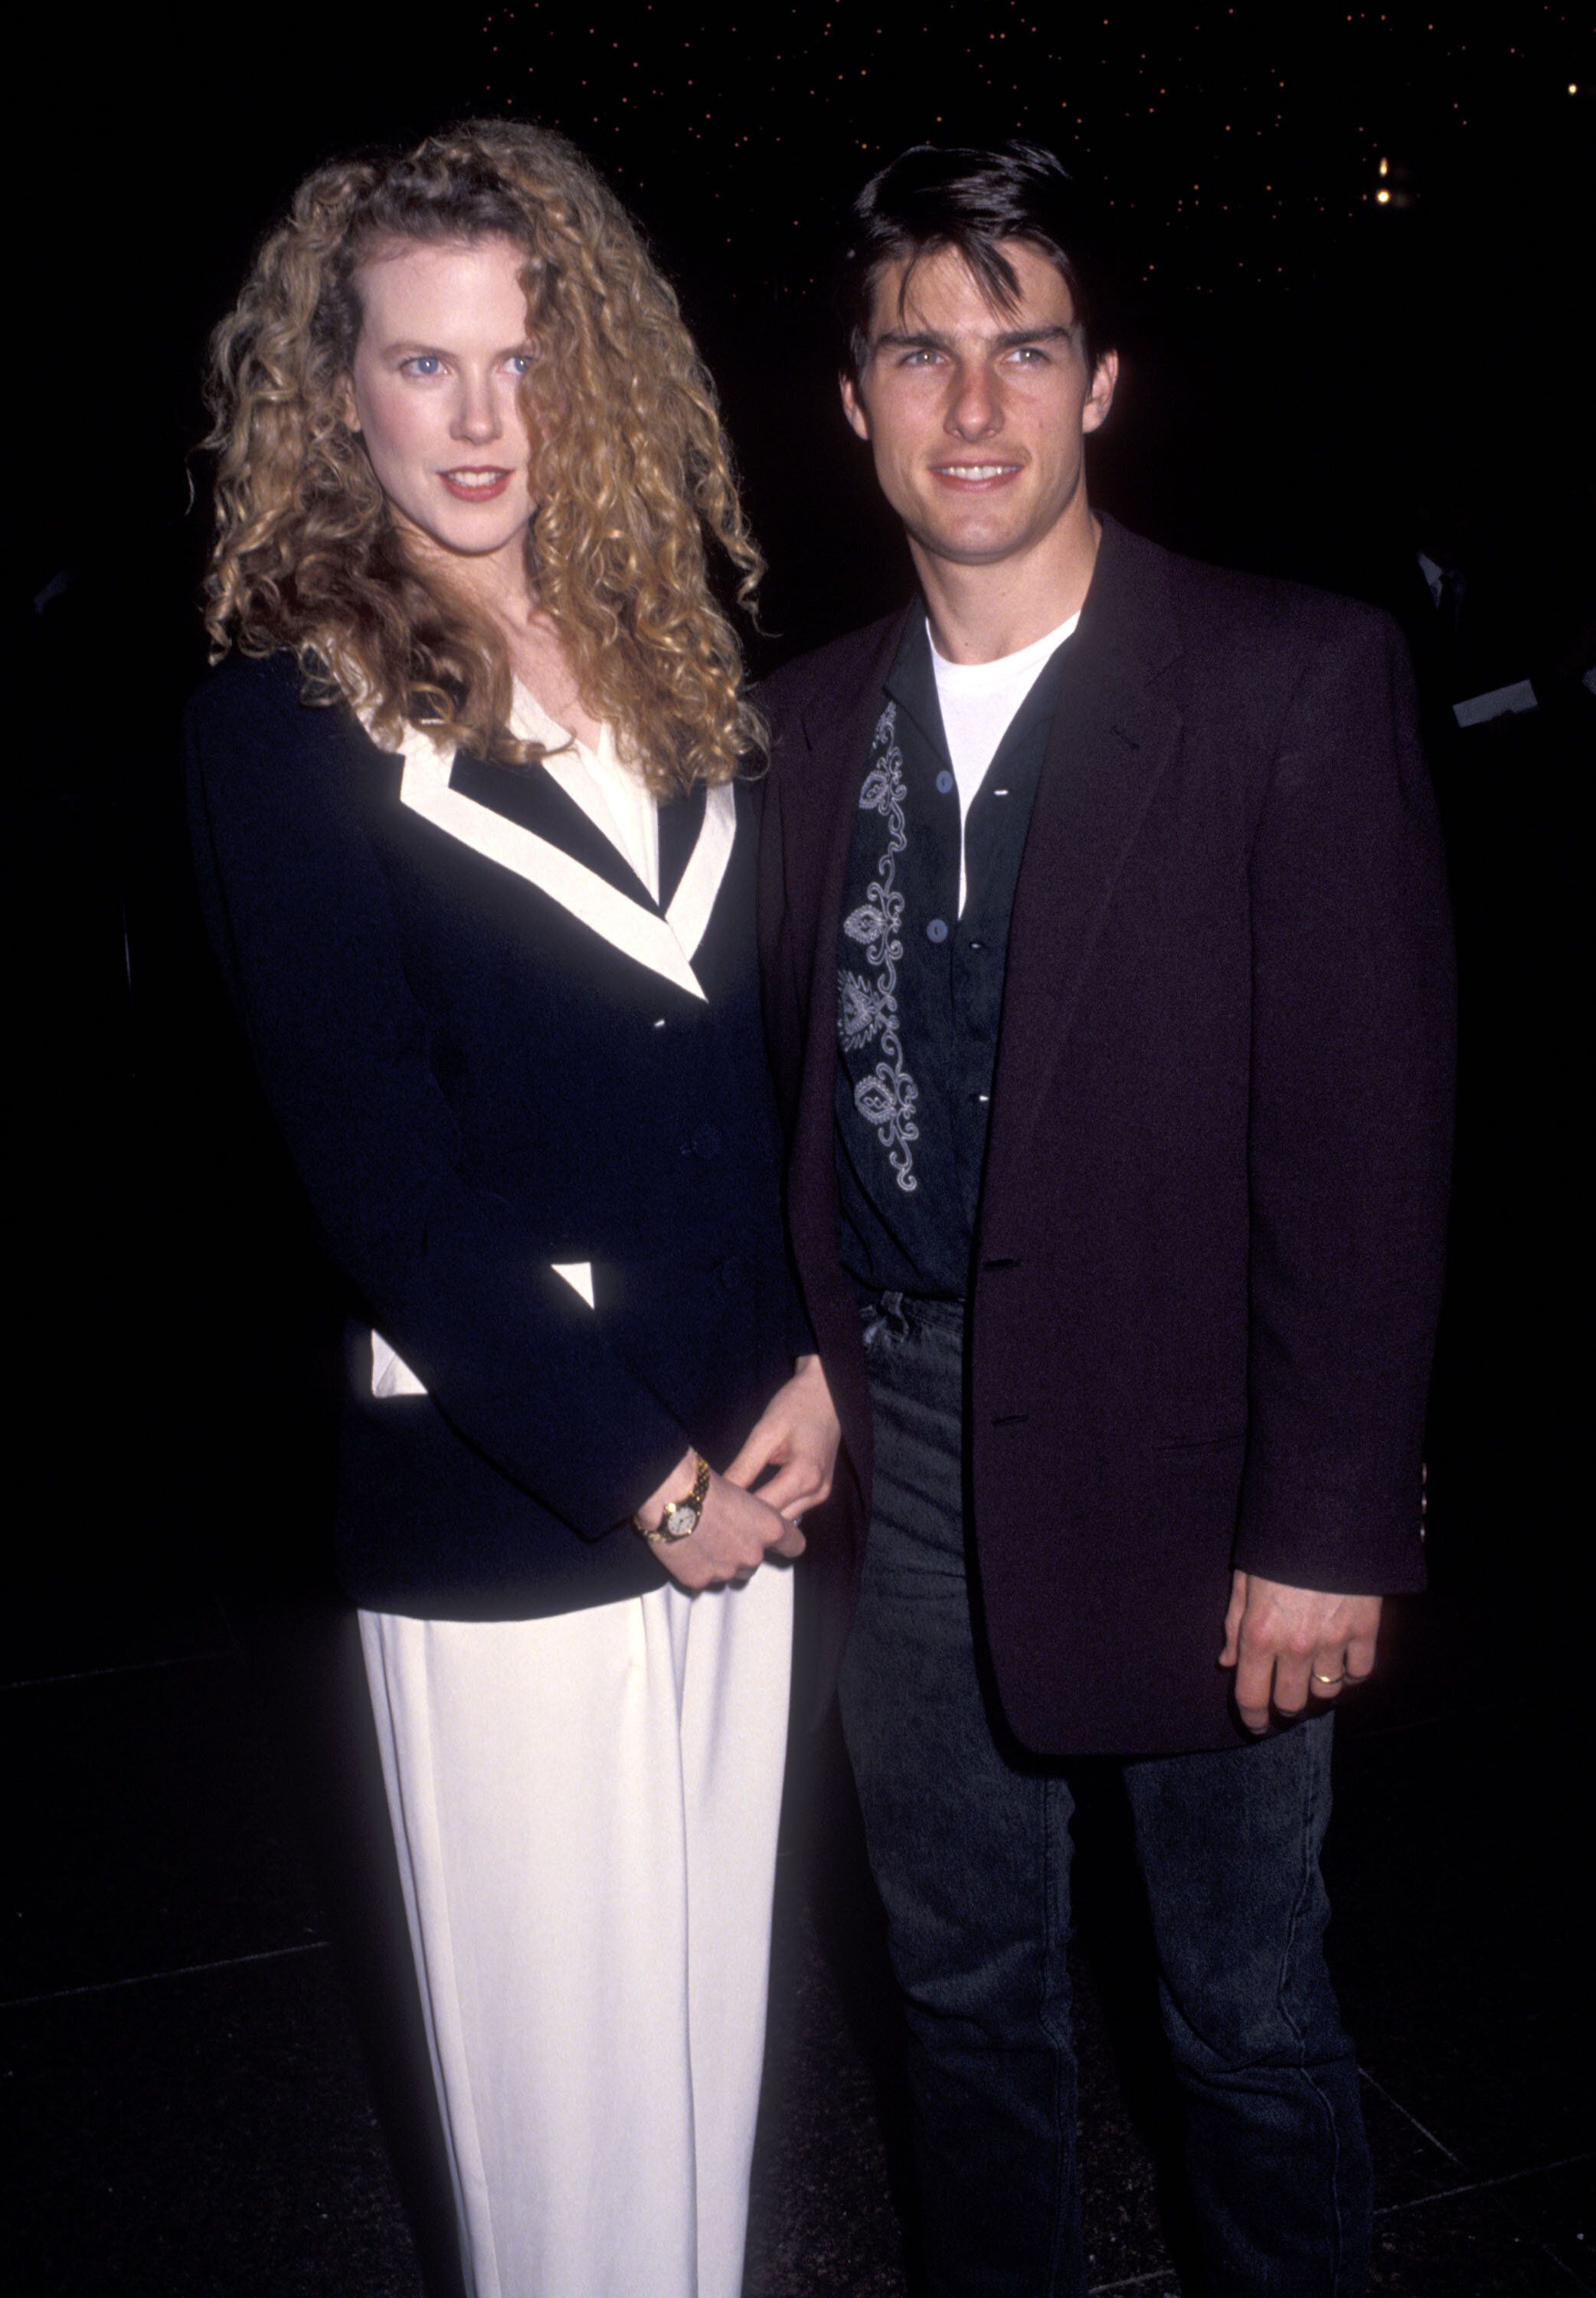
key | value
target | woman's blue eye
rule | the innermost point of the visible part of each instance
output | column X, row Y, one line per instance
column 425, row 363
column 521, row 362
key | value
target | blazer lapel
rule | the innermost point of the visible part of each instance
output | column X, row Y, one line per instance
column 664, row 944
column 540, row 799
column 680, row 822
column 1112, row 738
column 709, row 820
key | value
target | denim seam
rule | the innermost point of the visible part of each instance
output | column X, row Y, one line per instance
column 1051, row 1945
column 1304, row 1892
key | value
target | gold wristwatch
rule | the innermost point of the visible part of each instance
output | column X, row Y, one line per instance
column 679, row 1520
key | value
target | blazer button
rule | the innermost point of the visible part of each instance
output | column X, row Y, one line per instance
column 937, row 930
column 944, row 782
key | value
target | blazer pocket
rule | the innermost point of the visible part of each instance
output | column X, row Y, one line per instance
column 1200, row 1443
column 391, row 1376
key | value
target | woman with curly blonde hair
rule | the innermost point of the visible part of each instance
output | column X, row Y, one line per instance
column 477, row 860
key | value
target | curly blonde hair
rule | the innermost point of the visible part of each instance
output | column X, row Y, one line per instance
column 631, row 473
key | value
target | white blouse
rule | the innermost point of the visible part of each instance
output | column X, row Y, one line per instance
column 609, row 789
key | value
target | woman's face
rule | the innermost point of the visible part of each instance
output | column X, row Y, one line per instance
column 435, row 390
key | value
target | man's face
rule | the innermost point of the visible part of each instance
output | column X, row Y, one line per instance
column 975, row 415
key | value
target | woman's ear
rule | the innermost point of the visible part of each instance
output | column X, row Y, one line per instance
column 346, row 402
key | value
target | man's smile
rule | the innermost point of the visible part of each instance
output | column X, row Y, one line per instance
column 975, row 475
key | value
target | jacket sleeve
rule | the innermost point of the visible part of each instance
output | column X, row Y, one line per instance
column 1350, row 1127
column 774, row 968
column 456, row 1277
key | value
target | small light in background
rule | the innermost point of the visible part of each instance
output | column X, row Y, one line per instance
column 1396, row 187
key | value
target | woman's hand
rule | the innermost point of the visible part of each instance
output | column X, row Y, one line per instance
column 796, row 1436
column 736, row 1531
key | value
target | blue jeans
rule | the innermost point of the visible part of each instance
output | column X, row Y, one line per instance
column 970, row 1852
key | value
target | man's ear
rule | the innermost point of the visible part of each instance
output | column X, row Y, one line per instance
column 853, row 407
column 1094, row 414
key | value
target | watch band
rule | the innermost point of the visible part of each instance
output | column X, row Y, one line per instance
column 668, row 1530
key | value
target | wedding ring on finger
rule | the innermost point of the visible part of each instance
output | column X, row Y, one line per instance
column 1331, row 1680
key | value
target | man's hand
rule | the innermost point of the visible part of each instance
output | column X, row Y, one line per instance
column 1295, row 1645
column 796, row 1436
column 736, row 1532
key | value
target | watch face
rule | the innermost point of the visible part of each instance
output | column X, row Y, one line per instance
column 681, row 1519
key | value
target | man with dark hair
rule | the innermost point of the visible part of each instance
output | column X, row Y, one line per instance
column 1109, row 988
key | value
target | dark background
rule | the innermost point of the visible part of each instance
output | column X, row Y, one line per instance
column 1314, row 376
column 1304, row 353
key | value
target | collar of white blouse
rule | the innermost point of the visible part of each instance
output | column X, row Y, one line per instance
column 617, row 801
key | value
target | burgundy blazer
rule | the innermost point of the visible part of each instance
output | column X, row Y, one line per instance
column 1209, row 1252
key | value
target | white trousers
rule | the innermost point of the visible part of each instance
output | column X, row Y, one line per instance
column 585, row 1813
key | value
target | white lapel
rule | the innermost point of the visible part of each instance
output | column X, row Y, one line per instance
column 614, row 800
column 688, row 911
column 665, row 944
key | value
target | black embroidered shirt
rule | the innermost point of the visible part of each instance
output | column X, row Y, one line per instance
column 920, row 988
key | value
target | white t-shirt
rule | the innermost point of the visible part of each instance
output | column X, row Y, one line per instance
column 978, row 701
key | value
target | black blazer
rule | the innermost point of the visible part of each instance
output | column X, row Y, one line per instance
column 1209, row 1250
column 492, row 1056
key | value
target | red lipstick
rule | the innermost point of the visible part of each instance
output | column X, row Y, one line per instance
column 477, row 482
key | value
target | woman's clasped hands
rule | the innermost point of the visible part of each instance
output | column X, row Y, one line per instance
column 793, row 1446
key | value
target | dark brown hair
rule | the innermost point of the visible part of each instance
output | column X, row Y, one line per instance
column 973, row 201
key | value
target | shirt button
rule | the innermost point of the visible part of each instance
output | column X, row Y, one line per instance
column 944, row 782
column 937, row 930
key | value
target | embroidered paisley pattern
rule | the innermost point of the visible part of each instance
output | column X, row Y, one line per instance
column 863, row 1013
column 867, row 1009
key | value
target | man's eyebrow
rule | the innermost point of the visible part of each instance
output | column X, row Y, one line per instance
column 899, row 339
column 1016, row 337
column 930, row 339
